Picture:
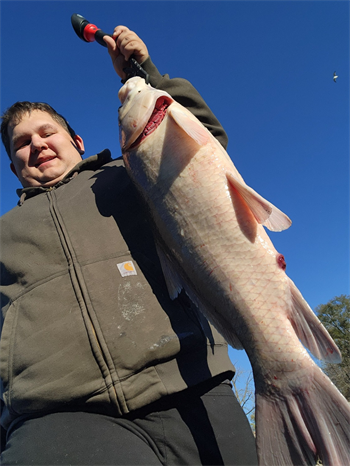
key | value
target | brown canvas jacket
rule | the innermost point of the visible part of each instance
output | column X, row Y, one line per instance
column 87, row 322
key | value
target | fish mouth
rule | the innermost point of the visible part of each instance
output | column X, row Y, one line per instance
column 157, row 116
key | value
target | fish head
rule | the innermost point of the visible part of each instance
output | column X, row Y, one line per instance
column 142, row 110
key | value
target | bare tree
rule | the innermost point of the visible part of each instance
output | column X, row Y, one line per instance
column 243, row 388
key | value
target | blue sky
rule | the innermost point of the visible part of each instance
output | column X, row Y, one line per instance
column 265, row 68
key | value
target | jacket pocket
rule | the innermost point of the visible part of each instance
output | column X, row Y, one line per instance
column 45, row 352
column 135, row 318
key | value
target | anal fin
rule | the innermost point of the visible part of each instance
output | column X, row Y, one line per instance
column 310, row 330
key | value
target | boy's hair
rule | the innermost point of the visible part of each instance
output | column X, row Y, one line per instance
column 14, row 114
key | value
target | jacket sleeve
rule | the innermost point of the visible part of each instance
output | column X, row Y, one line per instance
column 183, row 92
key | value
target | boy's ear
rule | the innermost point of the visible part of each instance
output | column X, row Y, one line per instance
column 80, row 144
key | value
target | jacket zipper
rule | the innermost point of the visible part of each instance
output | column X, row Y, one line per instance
column 77, row 282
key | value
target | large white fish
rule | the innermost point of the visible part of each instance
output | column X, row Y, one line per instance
column 211, row 242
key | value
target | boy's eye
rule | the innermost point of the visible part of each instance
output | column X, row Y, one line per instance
column 22, row 144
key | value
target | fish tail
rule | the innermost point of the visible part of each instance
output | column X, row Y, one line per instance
column 303, row 425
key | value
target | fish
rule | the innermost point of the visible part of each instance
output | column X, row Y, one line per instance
column 210, row 233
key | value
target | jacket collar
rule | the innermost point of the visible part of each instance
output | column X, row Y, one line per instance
column 91, row 163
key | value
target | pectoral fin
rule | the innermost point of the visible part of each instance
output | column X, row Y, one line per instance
column 172, row 280
column 175, row 285
column 194, row 129
column 264, row 212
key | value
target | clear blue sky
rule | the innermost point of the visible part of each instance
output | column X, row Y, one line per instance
column 265, row 68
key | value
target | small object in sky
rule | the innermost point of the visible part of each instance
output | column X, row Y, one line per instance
column 335, row 77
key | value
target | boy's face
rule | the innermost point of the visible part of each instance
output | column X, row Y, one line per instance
column 42, row 151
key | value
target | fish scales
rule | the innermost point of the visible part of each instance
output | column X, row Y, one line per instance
column 211, row 242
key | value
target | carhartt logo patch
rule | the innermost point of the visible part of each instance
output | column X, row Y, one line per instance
column 127, row 268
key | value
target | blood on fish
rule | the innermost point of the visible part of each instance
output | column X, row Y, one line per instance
column 281, row 262
column 155, row 119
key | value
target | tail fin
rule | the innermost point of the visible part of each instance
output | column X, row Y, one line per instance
column 297, row 427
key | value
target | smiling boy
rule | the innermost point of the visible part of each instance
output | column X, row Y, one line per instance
column 42, row 151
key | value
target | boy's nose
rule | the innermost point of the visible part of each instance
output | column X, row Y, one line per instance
column 38, row 143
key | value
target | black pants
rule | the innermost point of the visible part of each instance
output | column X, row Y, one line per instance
column 191, row 428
